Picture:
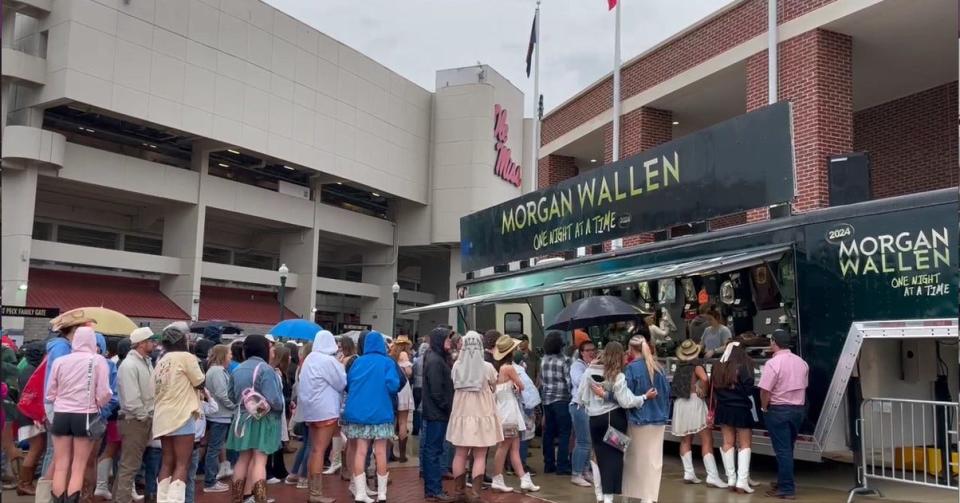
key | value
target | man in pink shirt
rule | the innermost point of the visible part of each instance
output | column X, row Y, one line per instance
column 783, row 387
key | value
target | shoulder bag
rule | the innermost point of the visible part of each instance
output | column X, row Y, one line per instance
column 97, row 427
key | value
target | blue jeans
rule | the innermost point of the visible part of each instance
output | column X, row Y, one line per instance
column 151, row 466
column 216, row 436
column 434, row 433
column 448, row 451
column 556, row 438
column 783, row 424
column 301, row 462
column 192, row 475
column 581, row 437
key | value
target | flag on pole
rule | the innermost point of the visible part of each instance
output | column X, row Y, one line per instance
column 533, row 42
column 611, row 4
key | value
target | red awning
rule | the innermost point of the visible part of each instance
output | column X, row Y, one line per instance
column 134, row 297
column 238, row 305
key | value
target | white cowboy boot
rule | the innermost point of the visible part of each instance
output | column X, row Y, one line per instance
column 743, row 471
column 360, row 489
column 499, row 486
column 597, row 489
column 713, row 476
column 689, row 475
column 730, row 466
column 526, row 484
column 382, row 481
column 163, row 490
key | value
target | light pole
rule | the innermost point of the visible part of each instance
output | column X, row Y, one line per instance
column 284, row 271
column 396, row 294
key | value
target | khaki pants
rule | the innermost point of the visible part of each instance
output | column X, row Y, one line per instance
column 136, row 437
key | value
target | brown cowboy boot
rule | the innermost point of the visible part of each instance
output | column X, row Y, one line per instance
column 316, row 490
column 260, row 491
column 403, row 450
column 86, row 492
column 25, row 481
column 459, row 485
column 473, row 493
column 236, row 489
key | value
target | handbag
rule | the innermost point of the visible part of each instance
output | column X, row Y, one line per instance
column 711, row 408
column 616, row 438
column 31, row 398
column 97, row 428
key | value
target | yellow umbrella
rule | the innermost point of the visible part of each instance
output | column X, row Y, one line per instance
column 108, row 321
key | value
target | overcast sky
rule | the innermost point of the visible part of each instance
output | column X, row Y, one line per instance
column 415, row 38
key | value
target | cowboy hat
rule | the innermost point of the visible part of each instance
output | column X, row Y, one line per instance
column 688, row 350
column 402, row 339
column 70, row 319
column 505, row 346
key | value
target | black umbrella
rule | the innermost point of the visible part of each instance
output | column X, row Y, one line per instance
column 591, row 311
column 225, row 326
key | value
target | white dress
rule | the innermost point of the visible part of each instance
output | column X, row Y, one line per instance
column 508, row 410
column 405, row 396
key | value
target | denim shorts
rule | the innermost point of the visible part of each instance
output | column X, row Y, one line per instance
column 188, row 428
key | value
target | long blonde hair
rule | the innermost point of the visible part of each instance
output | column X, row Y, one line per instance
column 612, row 360
column 640, row 344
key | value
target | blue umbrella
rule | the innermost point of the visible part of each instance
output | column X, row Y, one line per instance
column 296, row 329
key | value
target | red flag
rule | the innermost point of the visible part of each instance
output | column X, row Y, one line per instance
column 611, row 4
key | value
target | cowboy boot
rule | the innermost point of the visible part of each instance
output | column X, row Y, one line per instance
column 316, row 490
column 403, row 450
column 460, row 487
column 743, row 472
column 163, row 490
column 473, row 492
column 260, row 491
column 25, row 481
column 236, row 490
column 86, row 491
column 382, row 481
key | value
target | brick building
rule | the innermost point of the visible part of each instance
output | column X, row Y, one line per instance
column 874, row 76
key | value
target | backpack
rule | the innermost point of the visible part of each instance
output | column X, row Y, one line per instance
column 32, row 397
column 254, row 405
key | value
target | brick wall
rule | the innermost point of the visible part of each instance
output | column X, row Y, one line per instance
column 912, row 142
column 816, row 76
column 731, row 28
column 554, row 169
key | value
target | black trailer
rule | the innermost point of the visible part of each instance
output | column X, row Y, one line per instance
column 816, row 273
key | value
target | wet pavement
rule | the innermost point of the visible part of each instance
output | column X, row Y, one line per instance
column 817, row 482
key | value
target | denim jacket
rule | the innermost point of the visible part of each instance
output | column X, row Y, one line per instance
column 656, row 411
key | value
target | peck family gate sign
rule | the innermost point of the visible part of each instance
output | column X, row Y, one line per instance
column 742, row 163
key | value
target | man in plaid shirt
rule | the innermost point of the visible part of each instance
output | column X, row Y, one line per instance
column 556, row 394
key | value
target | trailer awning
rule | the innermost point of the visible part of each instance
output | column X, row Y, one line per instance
column 708, row 264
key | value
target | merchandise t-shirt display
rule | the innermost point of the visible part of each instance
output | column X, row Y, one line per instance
column 764, row 288
column 667, row 291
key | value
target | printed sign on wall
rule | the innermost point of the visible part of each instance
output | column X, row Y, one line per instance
column 504, row 166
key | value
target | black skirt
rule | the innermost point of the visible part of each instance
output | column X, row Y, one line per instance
column 609, row 459
column 737, row 417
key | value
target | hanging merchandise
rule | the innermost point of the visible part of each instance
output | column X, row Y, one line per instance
column 643, row 289
column 667, row 291
column 764, row 288
column 712, row 284
column 703, row 297
column 727, row 293
column 689, row 291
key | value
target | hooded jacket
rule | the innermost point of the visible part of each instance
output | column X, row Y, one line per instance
column 322, row 380
column 32, row 357
column 111, row 409
column 437, row 394
column 56, row 347
column 80, row 382
column 371, row 381
column 212, row 335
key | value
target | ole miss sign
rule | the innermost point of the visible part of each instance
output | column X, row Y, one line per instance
column 504, row 167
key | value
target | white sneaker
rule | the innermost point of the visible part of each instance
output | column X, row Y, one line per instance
column 135, row 496
column 218, row 487
column 225, row 472
column 578, row 480
column 499, row 486
column 333, row 468
column 273, row 481
column 102, row 492
column 292, row 479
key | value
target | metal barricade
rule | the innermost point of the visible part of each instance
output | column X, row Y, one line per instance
column 908, row 441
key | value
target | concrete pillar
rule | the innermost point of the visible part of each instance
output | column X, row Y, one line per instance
column 19, row 197
column 435, row 279
column 380, row 268
column 183, row 230
column 298, row 250
column 816, row 75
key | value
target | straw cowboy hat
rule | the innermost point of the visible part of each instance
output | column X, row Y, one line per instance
column 73, row 318
column 505, row 346
column 402, row 339
column 688, row 350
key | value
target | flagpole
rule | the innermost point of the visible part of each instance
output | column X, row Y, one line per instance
column 536, row 100
column 616, row 88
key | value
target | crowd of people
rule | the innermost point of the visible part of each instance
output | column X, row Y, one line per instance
column 165, row 407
